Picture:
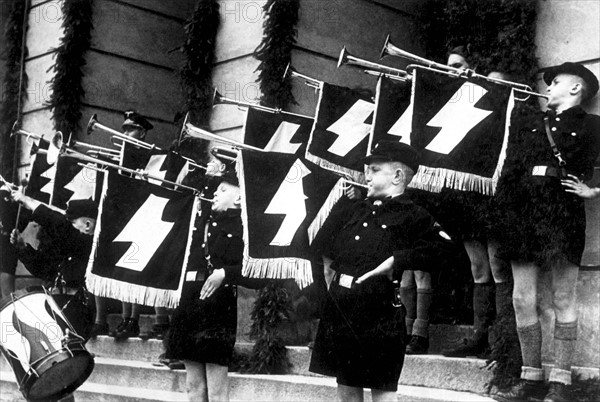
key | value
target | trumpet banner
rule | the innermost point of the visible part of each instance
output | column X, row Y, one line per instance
column 340, row 135
column 461, row 129
column 75, row 182
column 141, row 242
column 393, row 115
column 41, row 178
column 285, row 198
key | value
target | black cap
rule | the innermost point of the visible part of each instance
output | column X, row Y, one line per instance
column 133, row 118
column 394, row 151
column 574, row 69
column 230, row 177
column 82, row 208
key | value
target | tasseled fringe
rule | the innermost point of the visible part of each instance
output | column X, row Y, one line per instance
column 344, row 171
column 334, row 195
column 131, row 293
column 435, row 179
column 298, row 269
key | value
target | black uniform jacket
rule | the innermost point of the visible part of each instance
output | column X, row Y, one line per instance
column 535, row 219
column 358, row 236
column 68, row 251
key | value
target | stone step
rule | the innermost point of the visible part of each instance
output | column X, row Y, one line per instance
column 441, row 336
column 243, row 387
column 419, row 370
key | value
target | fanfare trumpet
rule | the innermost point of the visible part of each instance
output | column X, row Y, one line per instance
column 372, row 68
column 390, row 50
column 207, row 135
column 57, row 147
column 292, row 73
column 94, row 125
column 220, row 99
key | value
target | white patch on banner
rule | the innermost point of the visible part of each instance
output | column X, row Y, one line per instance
column 289, row 201
column 49, row 174
column 281, row 141
column 146, row 232
column 351, row 128
column 403, row 126
column 83, row 184
column 457, row 118
column 154, row 168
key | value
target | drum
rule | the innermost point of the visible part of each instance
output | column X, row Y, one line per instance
column 48, row 357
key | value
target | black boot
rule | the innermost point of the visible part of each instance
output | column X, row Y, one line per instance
column 523, row 391
column 120, row 327
column 557, row 393
column 418, row 345
column 130, row 330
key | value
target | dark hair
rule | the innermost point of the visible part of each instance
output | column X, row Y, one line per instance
column 461, row 50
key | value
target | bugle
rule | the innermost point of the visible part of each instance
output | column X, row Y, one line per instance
column 372, row 68
column 292, row 73
column 220, row 99
column 94, row 125
column 207, row 135
column 29, row 135
column 391, row 50
column 60, row 149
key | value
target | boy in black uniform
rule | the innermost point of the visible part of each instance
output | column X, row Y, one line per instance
column 365, row 245
column 541, row 221
column 65, row 261
column 203, row 326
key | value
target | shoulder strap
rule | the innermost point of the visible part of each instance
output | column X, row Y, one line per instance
column 555, row 150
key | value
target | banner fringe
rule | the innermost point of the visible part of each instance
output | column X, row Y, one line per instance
column 434, row 179
column 346, row 172
column 334, row 195
column 298, row 269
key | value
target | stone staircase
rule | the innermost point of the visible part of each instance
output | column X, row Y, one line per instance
column 129, row 371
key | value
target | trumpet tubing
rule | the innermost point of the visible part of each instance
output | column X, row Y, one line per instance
column 311, row 82
column 349, row 59
column 391, row 50
column 94, row 125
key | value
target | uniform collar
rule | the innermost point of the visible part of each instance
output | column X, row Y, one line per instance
column 574, row 111
column 228, row 214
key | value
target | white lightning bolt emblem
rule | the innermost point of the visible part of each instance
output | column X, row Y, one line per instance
column 83, row 184
column 281, row 140
column 154, row 168
column 457, row 118
column 289, row 201
column 146, row 232
column 49, row 174
column 351, row 128
column 403, row 126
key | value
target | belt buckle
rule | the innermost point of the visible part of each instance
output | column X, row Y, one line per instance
column 346, row 281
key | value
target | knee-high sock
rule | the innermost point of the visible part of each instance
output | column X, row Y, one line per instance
column 408, row 296
column 565, row 338
column 421, row 325
column 483, row 310
column 530, row 338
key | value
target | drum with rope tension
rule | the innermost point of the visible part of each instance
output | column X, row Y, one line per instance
column 47, row 355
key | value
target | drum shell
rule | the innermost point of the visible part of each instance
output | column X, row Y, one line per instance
column 47, row 363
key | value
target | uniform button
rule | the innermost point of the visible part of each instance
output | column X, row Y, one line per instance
column 209, row 234
column 553, row 128
column 229, row 235
column 365, row 224
column 534, row 130
column 384, row 226
column 373, row 212
column 558, row 119
column 357, row 237
column 203, row 245
column 214, row 223
column 573, row 134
